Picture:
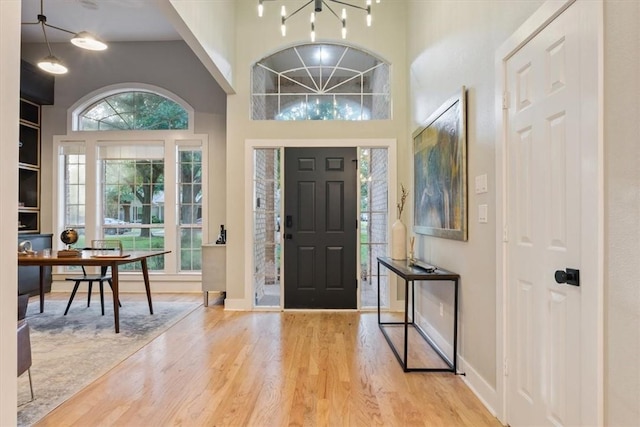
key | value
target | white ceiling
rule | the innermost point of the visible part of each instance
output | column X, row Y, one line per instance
column 110, row 20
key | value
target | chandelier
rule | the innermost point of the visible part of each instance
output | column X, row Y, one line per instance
column 83, row 39
column 317, row 7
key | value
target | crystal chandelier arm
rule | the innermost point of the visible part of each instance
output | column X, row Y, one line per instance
column 332, row 11
column 318, row 6
column 298, row 10
column 346, row 4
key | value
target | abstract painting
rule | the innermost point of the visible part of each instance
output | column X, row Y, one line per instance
column 440, row 172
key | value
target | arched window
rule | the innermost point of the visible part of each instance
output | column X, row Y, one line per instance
column 133, row 110
column 320, row 81
column 147, row 192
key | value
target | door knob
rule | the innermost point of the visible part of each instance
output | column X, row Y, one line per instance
column 570, row 276
column 288, row 236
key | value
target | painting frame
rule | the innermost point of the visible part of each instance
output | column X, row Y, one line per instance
column 440, row 171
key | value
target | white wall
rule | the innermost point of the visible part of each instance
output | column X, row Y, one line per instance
column 257, row 38
column 9, row 107
column 451, row 44
column 208, row 27
column 622, row 212
column 169, row 65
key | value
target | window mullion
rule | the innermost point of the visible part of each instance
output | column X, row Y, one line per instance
column 171, row 219
column 93, row 197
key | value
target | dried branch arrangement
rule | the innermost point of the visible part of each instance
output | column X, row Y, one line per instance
column 403, row 199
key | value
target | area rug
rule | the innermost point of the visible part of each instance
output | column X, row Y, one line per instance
column 69, row 352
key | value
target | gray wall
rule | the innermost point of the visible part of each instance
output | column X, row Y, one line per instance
column 169, row 65
column 451, row 44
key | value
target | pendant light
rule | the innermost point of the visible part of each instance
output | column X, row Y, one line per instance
column 83, row 39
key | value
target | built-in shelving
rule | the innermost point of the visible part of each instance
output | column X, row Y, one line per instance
column 29, row 168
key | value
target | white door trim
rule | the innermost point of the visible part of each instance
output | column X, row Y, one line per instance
column 594, row 300
column 250, row 144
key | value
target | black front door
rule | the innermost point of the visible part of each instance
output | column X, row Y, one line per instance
column 320, row 228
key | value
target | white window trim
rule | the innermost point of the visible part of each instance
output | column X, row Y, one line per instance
column 92, row 140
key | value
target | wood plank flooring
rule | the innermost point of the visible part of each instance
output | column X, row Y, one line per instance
column 217, row 368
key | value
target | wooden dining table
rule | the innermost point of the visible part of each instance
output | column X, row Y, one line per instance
column 88, row 258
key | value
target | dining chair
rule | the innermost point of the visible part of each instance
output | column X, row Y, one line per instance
column 24, row 342
column 100, row 248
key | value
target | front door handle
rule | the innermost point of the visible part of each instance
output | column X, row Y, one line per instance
column 288, row 236
column 570, row 276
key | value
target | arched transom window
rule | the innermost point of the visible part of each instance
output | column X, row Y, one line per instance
column 142, row 180
column 133, row 110
column 320, row 82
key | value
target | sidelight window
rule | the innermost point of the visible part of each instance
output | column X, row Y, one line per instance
column 266, row 227
column 373, row 224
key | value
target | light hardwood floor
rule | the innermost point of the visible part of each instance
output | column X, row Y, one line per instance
column 217, row 368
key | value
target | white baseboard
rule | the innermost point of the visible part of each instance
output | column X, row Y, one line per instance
column 231, row 304
column 435, row 336
column 476, row 383
column 479, row 386
column 135, row 287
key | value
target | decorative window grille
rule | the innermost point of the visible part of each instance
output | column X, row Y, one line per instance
column 133, row 110
column 321, row 82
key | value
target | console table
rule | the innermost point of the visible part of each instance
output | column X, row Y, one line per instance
column 410, row 275
column 214, row 259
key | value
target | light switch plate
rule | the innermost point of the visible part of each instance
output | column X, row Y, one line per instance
column 481, row 184
column 483, row 214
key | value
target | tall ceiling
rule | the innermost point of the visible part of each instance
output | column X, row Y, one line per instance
column 110, row 20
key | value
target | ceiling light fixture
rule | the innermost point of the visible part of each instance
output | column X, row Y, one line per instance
column 83, row 39
column 317, row 7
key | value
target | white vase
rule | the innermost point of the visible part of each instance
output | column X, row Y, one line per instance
column 398, row 240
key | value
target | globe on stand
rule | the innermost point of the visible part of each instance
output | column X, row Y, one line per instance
column 69, row 237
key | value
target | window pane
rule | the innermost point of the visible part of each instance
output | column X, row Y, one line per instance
column 190, row 208
column 74, row 189
column 133, row 193
column 290, row 107
column 191, row 249
column 373, row 223
column 142, row 239
column 134, row 110
column 266, row 225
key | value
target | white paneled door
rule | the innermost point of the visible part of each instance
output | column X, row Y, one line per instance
column 547, row 214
